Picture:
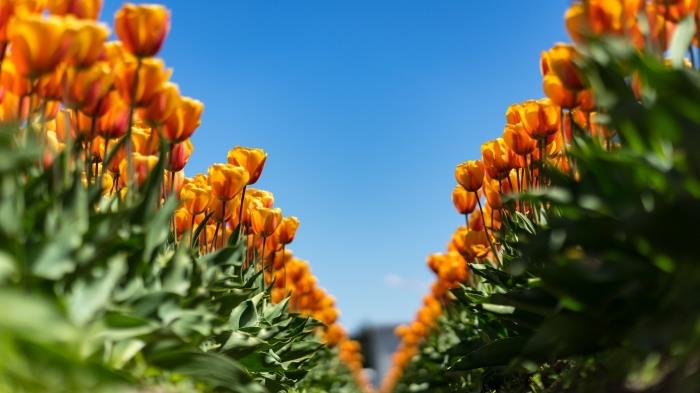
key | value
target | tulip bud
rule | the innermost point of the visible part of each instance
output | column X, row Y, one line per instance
column 142, row 28
column 183, row 121
column 470, row 174
column 179, row 154
column 264, row 221
column 463, row 200
column 252, row 159
column 227, row 180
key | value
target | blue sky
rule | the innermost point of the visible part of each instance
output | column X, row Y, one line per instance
column 365, row 107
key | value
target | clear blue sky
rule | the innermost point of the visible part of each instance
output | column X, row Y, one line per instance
column 365, row 107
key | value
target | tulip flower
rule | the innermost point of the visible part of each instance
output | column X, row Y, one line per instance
column 540, row 118
column 470, row 175
column 139, row 88
column 227, row 180
column 162, row 105
column 196, row 197
column 113, row 123
column 88, row 42
column 676, row 10
column 83, row 9
column 560, row 60
column 142, row 28
column 38, row 44
column 252, row 159
column 518, row 140
column 179, row 155
column 463, row 200
column 497, row 158
column 183, row 121
column 88, row 86
column 264, row 221
column 12, row 81
column 287, row 230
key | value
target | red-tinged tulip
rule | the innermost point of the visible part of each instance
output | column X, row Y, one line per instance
column 264, row 221
column 179, row 155
column 114, row 122
column 227, row 180
column 470, row 174
column 252, row 159
column 83, row 9
column 463, row 200
column 513, row 114
column 88, row 86
column 585, row 101
column 676, row 10
column 162, row 105
column 38, row 44
column 152, row 74
column 142, row 28
column 518, row 140
column 183, row 121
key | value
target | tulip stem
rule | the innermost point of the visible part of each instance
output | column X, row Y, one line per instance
column 130, row 183
column 284, row 267
column 483, row 221
column 223, row 220
column 240, row 212
column 262, row 262
column 563, row 136
column 192, row 229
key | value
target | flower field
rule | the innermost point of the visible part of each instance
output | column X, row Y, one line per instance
column 575, row 269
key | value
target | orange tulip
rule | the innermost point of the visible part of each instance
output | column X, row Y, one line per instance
column 183, row 121
column 555, row 90
column 498, row 159
column 252, row 159
column 183, row 221
column 88, row 42
column 513, row 114
column 470, row 174
column 114, row 122
column 287, row 230
column 88, row 86
column 518, row 140
column 463, row 200
column 265, row 197
column 162, row 105
column 179, row 155
column 50, row 87
column 152, row 74
column 540, row 118
column 560, row 60
column 84, row 9
column 196, row 197
column 12, row 81
column 38, row 44
column 227, row 180
column 142, row 28
column 576, row 22
column 264, row 221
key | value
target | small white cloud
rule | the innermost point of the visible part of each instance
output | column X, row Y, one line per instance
column 395, row 281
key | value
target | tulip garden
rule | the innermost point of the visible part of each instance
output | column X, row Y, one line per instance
column 575, row 269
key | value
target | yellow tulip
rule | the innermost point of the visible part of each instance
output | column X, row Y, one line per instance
column 463, row 200
column 252, row 159
column 227, row 180
column 162, row 105
column 196, row 197
column 88, row 42
column 264, row 221
column 287, row 230
column 183, row 121
column 152, row 74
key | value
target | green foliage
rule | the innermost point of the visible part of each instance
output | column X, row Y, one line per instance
column 97, row 297
column 602, row 295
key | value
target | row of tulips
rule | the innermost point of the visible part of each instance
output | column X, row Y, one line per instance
column 111, row 107
column 536, row 136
